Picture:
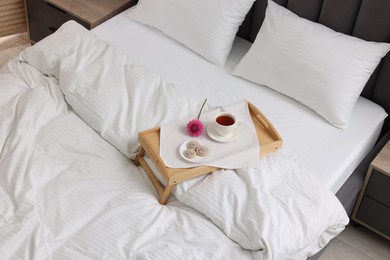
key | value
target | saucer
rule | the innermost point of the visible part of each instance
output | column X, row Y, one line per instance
column 197, row 159
column 220, row 138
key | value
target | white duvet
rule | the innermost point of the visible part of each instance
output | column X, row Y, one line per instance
column 66, row 193
column 278, row 210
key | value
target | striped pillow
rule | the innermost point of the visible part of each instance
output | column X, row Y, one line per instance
column 208, row 27
column 323, row 69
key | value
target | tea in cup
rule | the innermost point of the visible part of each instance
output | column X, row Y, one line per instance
column 225, row 123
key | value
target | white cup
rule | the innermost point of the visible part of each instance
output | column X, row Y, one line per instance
column 225, row 123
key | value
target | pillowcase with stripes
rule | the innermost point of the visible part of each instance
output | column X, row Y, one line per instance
column 323, row 69
column 208, row 27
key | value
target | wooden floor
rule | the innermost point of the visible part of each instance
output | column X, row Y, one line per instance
column 355, row 243
column 10, row 46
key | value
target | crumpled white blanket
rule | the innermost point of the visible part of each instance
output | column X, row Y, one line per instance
column 278, row 209
column 66, row 193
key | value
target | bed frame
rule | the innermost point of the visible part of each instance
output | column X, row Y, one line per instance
column 365, row 19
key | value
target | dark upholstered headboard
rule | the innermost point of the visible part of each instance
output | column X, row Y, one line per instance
column 366, row 19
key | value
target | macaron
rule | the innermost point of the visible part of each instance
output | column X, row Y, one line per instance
column 202, row 150
column 189, row 153
column 193, row 144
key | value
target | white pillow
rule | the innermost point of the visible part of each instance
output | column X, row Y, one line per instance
column 208, row 27
column 311, row 63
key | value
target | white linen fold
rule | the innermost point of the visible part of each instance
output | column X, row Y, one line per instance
column 240, row 153
column 278, row 210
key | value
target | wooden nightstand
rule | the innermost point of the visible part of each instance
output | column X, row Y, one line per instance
column 372, row 209
column 46, row 16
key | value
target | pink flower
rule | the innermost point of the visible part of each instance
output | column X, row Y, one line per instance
column 195, row 127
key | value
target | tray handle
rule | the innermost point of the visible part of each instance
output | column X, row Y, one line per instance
column 264, row 121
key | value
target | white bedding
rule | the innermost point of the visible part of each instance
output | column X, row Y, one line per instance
column 67, row 194
column 327, row 152
column 278, row 209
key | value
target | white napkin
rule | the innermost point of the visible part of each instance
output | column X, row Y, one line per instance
column 240, row 153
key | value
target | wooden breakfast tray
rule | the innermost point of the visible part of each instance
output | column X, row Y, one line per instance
column 269, row 141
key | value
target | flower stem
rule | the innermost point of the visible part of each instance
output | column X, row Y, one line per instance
column 200, row 112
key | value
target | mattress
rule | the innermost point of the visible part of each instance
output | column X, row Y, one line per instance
column 329, row 153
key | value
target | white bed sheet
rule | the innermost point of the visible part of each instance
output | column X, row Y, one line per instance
column 329, row 153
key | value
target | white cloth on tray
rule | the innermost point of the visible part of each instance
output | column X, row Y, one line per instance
column 240, row 153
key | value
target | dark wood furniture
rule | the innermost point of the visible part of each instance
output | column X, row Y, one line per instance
column 372, row 209
column 46, row 16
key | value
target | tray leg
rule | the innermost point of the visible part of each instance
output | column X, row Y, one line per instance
column 140, row 154
column 163, row 192
column 165, row 195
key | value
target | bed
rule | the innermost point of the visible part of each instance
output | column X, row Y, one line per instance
column 73, row 104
